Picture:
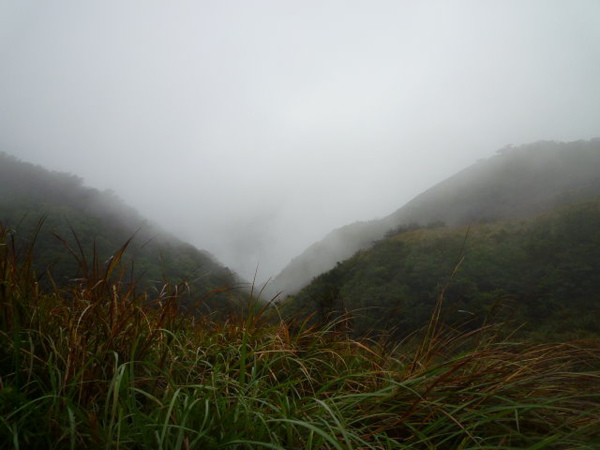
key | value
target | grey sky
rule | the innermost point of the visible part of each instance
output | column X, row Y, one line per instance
column 252, row 128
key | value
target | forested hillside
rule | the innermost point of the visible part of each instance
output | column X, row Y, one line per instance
column 88, row 360
column 541, row 272
column 516, row 182
column 73, row 226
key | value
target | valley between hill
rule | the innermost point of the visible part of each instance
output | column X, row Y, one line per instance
column 476, row 329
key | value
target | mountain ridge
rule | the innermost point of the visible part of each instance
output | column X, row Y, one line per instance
column 516, row 182
column 539, row 271
column 57, row 210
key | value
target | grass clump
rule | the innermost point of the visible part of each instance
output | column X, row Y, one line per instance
column 97, row 364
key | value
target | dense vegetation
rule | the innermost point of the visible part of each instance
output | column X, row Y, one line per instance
column 517, row 182
column 94, row 365
column 542, row 272
column 414, row 343
column 73, row 224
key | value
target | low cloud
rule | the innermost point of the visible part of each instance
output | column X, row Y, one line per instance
column 253, row 129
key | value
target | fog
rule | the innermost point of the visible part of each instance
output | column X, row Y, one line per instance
column 253, row 128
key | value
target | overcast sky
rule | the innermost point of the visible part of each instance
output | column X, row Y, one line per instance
column 253, row 128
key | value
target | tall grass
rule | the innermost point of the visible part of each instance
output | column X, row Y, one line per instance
column 97, row 364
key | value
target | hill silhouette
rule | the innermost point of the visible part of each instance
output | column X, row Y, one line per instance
column 74, row 225
column 541, row 271
column 516, row 182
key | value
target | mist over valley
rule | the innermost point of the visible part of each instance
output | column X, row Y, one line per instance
column 229, row 160
column 299, row 225
column 516, row 182
column 254, row 130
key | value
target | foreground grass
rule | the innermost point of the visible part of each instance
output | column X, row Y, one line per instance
column 99, row 365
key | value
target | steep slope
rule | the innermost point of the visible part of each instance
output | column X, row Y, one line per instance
column 516, row 182
column 542, row 271
column 73, row 216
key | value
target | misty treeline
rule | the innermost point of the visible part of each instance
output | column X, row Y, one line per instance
column 513, row 237
column 517, row 182
column 539, row 273
column 72, row 228
column 390, row 287
column 429, row 338
column 96, row 366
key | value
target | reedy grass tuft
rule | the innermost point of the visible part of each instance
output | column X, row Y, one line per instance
column 97, row 364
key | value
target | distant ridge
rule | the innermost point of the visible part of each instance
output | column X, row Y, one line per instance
column 516, row 182
column 74, row 214
column 538, row 274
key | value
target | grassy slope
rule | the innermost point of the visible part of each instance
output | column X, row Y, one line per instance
column 541, row 271
column 93, row 366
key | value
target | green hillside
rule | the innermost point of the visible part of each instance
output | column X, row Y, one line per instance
column 516, row 182
column 96, row 353
column 541, row 272
column 97, row 366
column 74, row 226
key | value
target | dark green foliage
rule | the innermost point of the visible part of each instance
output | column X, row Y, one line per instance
column 80, row 225
column 515, row 183
column 91, row 359
column 96, row 365
column 541, row 271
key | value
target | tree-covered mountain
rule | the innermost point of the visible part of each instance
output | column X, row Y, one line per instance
column 541, row 271
column 79, row 225
column 516, row 182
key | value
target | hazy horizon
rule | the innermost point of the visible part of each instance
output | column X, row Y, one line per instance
column 252, row 129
